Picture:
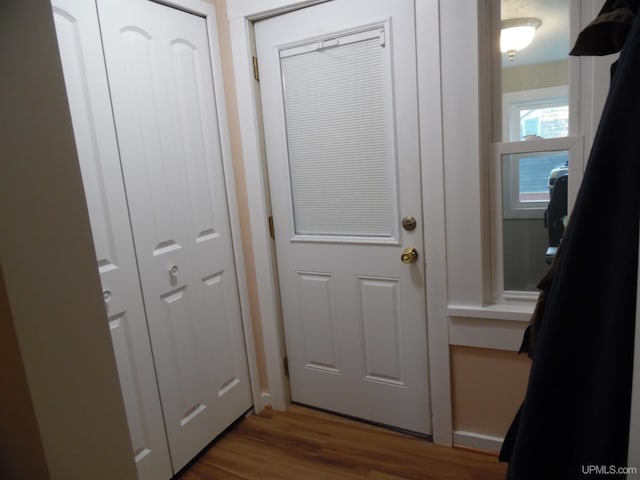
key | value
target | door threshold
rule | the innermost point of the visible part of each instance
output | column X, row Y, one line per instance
column 403, row 431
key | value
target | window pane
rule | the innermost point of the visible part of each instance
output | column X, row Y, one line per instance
column 534, row 172
column 534, row 191
column 549, row 122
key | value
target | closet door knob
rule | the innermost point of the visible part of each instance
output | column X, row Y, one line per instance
column 173, row 270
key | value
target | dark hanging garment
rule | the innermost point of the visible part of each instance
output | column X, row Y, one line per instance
column 609, row 30
column 574, row 422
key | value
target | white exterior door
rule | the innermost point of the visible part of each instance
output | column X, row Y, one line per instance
column 160, row 74
column 86, row 81
column 338, row 86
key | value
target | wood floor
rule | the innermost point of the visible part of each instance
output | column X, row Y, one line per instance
column 304, row 444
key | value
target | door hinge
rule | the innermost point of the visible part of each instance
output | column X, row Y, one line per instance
column 285, row 363
column 256, row 72
column 272, row 230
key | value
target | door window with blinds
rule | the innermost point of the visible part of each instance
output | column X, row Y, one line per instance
column 340, row 137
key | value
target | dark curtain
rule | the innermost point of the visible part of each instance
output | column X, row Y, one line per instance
column 577, row 407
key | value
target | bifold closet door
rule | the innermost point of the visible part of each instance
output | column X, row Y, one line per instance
column 78, row 34
column 160, row 74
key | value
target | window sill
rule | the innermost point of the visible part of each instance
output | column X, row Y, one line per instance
column 500, row 311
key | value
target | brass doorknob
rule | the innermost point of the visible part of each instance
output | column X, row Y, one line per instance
column 409, row 255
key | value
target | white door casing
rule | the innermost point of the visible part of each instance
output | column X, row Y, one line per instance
column 88, row 93
column 159, row 69
column 354, row 314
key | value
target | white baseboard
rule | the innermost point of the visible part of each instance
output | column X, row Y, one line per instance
column 477, row 440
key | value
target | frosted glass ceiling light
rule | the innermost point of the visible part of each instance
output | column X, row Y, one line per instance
column 517, row 33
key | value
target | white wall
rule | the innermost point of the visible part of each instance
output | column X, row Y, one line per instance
column 48, row 262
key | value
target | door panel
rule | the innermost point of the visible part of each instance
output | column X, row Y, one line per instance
column 381, row 329
column 159, row 68
column 339, row 98
column 318, row 319
column 85, row 78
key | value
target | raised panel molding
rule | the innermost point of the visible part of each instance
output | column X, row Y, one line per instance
column 186, row 68
column 317, row 310
column 380, row 318
column 213, row 297
column 137, row 418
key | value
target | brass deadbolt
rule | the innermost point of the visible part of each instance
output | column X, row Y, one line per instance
column 409, row 223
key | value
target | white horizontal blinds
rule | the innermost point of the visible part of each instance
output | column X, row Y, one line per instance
column 341, row 158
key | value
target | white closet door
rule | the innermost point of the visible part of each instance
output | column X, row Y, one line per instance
column 85, row 77
column 160, row 73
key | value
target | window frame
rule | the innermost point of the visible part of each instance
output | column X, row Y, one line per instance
column 574, row 146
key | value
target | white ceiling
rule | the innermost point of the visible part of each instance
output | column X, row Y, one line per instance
column 551, row 42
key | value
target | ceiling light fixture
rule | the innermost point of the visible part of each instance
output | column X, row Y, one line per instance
column 516, row 34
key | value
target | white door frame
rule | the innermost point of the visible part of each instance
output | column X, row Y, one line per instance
column 241, row 15
column 208, row 12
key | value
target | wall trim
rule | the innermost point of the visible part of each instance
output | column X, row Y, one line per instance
column 430, row 117
column 516, row 312
column 251, row 136
column 486, row 333
column 477, row 441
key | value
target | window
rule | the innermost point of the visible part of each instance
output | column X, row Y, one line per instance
column 536, row 150
column 527, row 179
